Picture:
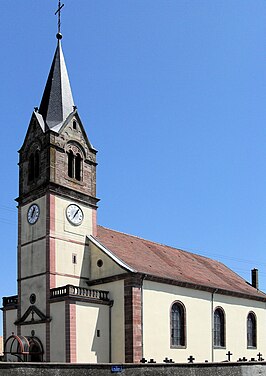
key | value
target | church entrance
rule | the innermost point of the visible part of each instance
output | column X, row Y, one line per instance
column 23, row 349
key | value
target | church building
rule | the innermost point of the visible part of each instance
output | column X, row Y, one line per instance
column 88, row 294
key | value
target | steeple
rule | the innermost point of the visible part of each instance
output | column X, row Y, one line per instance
column 57, row 101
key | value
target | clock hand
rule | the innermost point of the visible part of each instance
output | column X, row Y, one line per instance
column 33, row 211
column 75, row 214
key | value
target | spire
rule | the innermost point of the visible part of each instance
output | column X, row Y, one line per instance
column 57, row 101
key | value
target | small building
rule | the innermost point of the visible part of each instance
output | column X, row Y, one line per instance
column 90, row 294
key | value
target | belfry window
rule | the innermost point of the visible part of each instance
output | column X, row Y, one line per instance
column 251, row 330
column 74, row 165
column 177, row 325
column 70, row 164
column 78, row 167
column 219, row 328
column 37, row 164
column 34, row 166
column 31, row 167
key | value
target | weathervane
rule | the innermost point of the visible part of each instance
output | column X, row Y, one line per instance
column 59, row 35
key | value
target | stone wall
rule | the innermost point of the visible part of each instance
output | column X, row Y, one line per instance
column 214, row 369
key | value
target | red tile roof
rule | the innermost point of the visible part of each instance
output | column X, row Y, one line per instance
column 166, row 262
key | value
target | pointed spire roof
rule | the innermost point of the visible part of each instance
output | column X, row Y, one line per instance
column 57, row 101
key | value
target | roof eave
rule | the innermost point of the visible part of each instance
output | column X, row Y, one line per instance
column 211, row 289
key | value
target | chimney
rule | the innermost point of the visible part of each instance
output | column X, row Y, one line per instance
column 255, row 278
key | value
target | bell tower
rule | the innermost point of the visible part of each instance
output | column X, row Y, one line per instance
column 57, row 203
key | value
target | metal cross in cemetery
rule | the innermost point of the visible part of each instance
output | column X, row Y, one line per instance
column 259, row 355
column 229, row 356
column 143, row 360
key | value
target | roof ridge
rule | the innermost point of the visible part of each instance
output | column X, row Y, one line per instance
column 164, row 245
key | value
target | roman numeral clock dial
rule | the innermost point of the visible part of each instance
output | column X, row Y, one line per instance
column 74, row 214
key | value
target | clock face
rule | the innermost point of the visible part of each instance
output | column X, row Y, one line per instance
column 33, row 213
column 74, row 214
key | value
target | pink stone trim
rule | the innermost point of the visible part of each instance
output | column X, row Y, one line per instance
column 52, row 214
column 71, row 332
column 94, row 222
column 19, row 268
column 133, row 319
column 52, row 263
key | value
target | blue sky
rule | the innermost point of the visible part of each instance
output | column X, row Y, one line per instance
column 173, row 95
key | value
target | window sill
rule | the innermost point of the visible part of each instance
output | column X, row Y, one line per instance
column 219, row 347
column 72, row 180
column 252, row 347
column 178, row 347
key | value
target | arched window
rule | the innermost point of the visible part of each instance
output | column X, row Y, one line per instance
column 78, row 167
column 219, row 328
column 251, row 330
column 34, row 166
column 70, row 164
column 74, row 163
column 37, row 164
column 31, row 167
column 177, row 325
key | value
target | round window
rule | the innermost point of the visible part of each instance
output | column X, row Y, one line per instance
column 32, row 298
column 100, row 263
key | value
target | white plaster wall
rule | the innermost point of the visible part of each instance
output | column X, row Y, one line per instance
column 71, row 240
column 63, row 257
column 33, row 258
column 11, row 317
column 157, row 300
column 109, row 267
column 62, row 280
column 36, row 285
column 37, row 230
column 116, row 293
column 236, row 312
column 64, row 229
column 57, row 332
column 89, row 319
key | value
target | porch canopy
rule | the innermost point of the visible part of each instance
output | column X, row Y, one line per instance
column 23, row 349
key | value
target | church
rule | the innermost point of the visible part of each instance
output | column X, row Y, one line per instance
column 89, row 294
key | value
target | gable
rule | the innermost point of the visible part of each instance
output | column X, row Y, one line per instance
column 33, row 316
column 73, row 131
column 102, row 264
column 35, row 131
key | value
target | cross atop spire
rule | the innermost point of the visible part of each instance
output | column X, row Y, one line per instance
column 58, row 12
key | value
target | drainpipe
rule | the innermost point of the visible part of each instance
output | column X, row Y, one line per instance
column 143, row 277
column 212, row 324
column 110, row 330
